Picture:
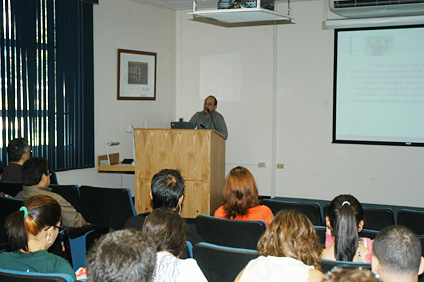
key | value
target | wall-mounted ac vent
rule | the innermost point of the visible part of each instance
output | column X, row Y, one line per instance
column 377, row 8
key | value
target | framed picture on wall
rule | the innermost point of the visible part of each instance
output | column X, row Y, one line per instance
column 136, row 75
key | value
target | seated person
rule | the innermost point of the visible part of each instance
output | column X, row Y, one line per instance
column 289, row 251
column 344, row 222
column 167, row 229
column 36, row 179
column 30, row 232
column 350, row 275
column 18, row 152
column 123, row 255
column 396, row 256
column 241, row 198
column 167, row 191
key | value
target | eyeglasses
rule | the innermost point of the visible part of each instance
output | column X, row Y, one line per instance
column 58, row 227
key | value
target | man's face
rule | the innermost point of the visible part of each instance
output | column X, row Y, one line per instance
column 209, row 104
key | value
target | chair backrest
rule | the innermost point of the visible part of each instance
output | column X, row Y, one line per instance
column 311, row 210
column 368, row 233
column 69, row 193
column 328, row 265
column 109, row 207
column 321, row 232
column 378, row 218
column 11, row 188
column 53, row 178
column 412, row 219
column 7, row 206
column 230, row 232
column 219, row 263
column 23, row 276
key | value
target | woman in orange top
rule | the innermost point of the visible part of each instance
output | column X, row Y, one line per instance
column 241, row 198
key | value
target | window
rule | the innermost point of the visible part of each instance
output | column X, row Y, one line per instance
column 47, row 93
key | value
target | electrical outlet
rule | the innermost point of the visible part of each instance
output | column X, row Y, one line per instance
column 261, row 164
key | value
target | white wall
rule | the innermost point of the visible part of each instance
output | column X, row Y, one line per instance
column 129, row 25
column 314, row 167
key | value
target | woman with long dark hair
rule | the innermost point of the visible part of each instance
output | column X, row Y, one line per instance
column 30, row 232
column 241, row 198
column 344, row 221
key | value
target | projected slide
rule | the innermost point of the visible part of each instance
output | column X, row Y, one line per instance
column 379, row 86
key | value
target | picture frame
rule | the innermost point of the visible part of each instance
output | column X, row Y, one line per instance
column 136, row 75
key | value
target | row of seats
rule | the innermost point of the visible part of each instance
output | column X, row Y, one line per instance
column 109, row 207
column 375, row 218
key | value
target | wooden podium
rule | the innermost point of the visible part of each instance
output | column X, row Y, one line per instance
column 198, row 154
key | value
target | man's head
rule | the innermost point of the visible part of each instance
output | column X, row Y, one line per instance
column 36, row 172
column 211, row 103
column 18, row 150
column 123, row 255
column 397, row 254
column 167, row 189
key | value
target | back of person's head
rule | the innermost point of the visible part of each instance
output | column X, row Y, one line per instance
column 350, row 275
column 37, row 213
column 167, row 188
column 240, row 192
column 291, row 234
column 345, row 214
column 398, row 251
column 16, row 148
column 33, row 170
column 167, row 229
column 124, row 255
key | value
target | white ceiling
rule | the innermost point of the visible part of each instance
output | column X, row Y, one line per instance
column 183, row 4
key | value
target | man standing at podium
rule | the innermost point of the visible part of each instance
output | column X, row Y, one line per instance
column 209, row 118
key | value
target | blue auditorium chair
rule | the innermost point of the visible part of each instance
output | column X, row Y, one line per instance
column 109, row 207
column 311, row 210
column 23, row 276
column 219, row 263
column 230, row 232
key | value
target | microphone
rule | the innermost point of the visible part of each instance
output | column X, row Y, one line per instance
column 209, row 111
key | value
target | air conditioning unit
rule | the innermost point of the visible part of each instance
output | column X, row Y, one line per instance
column 377, row 8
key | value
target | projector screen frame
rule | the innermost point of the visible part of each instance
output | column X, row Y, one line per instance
column 335, row 85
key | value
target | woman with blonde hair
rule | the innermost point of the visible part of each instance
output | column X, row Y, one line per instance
column 289, row 251
column 241, row 198
column 30, row 232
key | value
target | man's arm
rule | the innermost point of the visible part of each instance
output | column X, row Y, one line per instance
column 194, row 120
column 221, row 127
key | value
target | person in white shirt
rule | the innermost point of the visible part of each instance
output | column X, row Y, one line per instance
column 289, row 251
column 167, row 229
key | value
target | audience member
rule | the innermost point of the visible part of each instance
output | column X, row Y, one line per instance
column 123, row 255
column 241, row 198
column 289, row 251
column 18, row 152
column 167, row 191
column 36, row 180
column 396, row 255
column 344, row 221
column 167, row 229
column 350, row 275
column 31, row 231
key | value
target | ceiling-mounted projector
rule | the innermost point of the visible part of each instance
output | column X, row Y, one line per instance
column 235, row 4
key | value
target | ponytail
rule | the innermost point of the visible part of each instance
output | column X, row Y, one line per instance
column 38, row 212
column 345, row 213
column 345, row 233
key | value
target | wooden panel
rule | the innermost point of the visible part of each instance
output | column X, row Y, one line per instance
column 196, row 199
column 217, row 176
column 188, row 151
